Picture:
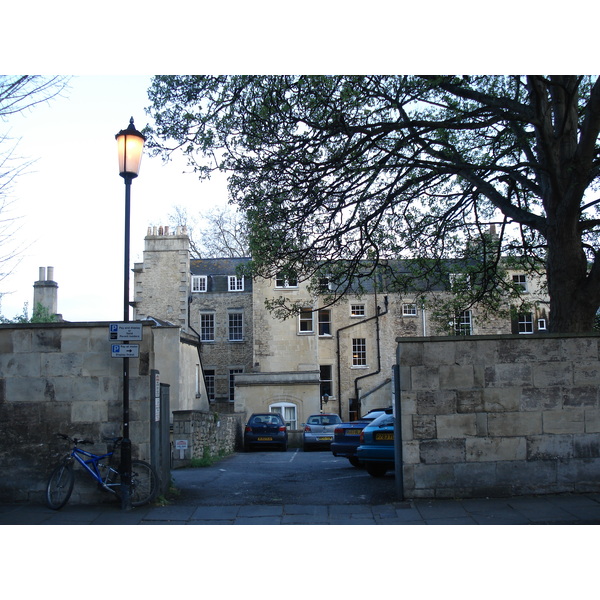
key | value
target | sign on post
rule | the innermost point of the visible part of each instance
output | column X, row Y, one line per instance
column 125, row 332
column 125, row 350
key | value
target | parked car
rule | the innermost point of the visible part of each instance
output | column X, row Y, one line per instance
column 318, row 430
column 346, row 436
column 265, row 430
column 376, row 449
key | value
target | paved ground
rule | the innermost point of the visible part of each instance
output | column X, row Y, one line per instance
column 583, row 509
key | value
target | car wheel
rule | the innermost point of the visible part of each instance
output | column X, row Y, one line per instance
column 283, row 448
column 306, row 448
column 354, row 461
column 376, row 470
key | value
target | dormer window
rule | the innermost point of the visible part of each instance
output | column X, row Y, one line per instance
column 199, row 283
column 236, row 284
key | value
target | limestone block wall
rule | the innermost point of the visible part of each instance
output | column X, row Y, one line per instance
column 61, row 377
column 205, row 432
column 506, row 415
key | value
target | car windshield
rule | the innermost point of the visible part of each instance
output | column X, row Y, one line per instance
column 265, row 420
column 384, row 420
column 324, row 420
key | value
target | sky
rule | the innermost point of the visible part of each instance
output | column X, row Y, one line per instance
column 70, row 203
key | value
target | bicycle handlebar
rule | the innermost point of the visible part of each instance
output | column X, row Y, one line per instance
column 74, row 440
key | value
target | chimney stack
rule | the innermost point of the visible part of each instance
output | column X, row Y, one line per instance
column 45, row 291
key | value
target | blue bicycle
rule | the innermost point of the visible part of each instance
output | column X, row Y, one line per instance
column 144, row 480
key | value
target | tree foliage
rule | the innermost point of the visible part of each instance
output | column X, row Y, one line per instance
column 358, row 171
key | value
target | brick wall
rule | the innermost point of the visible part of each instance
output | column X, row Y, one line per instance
column 507, row 415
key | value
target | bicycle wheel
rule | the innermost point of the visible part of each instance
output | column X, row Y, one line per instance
column 144, row 483
column 60, row 486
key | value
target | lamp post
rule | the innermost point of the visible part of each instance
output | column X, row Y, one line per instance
column 130, row 144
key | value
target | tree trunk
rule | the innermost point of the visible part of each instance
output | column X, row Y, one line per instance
column 573, row 299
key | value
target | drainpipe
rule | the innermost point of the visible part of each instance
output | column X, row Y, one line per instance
column 398, row 466
column 337, row 334
column 379, row 314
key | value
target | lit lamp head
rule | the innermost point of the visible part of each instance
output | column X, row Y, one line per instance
column 130, row 144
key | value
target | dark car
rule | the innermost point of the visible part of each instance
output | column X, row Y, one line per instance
column 346, row 436
column 265, row 430
column 376, row 448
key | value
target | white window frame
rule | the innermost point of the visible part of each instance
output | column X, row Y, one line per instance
column 409, row 309
column 235, row 284
column 199, row 284
column 359, row 353
column 209, row 382
column 460, row 279
column 541, row 324
column 204, row 328
column 324, row 311
column 525, row 323
column 238, row 328
column 463, row 323
column 303, row 319
column 284, row 283
column 521, row 281
column 286, row 409
column 357, row 310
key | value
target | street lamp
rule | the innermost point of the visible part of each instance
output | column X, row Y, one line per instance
column 130, row 144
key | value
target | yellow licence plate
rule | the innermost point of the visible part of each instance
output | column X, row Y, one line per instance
column 384, row 435
column 265, row 439
column 353, row 432
column 325, row 438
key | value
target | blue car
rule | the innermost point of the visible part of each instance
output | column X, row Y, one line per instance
column 376, row 448
column 346, row 436
column 265, row 430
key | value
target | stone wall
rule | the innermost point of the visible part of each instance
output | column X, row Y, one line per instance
column 494, row 416
column 61, row 377
column 204, row 433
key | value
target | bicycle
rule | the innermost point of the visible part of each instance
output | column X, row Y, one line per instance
column 144, row 479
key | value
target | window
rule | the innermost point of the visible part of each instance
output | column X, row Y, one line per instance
column 359, row 352
column 325, row 284
column 326, row 381
column 207, row 327
column 236, row 284
column 199, row 283
column 209, row 381
column 357, row 310
column 541, row 324
column 525, row 322
column 232, row 374
column 305, row 324
column 520, row 281
column 285, row 282
column 236, row 327
column 463, row 323
column 287, row 411
column 409, row 310
column 324, row 322
column 460, row 281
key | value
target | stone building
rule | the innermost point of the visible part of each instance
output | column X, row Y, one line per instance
column 327, row 358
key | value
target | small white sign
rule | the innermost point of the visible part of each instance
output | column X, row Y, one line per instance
column 181, row 444
column 125, row 350
column 125, row 332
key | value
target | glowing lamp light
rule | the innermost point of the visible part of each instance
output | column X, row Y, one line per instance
column 130, row 144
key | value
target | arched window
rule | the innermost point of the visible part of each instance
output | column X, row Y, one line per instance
column 288, row 411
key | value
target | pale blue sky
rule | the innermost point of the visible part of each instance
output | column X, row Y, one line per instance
column 71, row 202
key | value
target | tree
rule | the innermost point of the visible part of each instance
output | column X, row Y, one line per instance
column 18, row 93
column 223, row 234
column 358, row 170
